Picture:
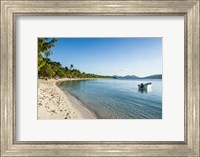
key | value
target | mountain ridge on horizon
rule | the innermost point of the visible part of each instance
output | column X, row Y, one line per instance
column 156, row 76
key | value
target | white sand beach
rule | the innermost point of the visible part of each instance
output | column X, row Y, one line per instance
column 53, row 103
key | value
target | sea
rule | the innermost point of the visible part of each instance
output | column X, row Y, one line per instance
column 118, row 98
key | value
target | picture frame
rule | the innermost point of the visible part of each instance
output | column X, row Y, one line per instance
column 10, row 9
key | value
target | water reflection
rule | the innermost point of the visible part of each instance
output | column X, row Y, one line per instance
column 118, row 99
column 145, row 89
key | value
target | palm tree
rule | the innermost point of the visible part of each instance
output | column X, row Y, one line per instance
column 45, row 46
column 71, row 66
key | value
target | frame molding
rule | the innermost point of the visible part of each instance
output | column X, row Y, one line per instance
column 10, row 9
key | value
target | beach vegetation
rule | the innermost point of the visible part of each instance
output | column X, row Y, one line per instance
column 71, row 66
column 44, row 51
column 47, row 71
column 52, row 69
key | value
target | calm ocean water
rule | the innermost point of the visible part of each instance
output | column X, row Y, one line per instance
column 118, row 98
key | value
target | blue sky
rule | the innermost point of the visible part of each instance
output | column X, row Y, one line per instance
column 111, row 56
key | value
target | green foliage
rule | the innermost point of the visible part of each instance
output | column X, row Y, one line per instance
column 71, row 66
column 41, row 62
column 46, row 71
column 45, row 46
column 61, row 73
column 54, row 69
column 50, row 69
column 44, row 49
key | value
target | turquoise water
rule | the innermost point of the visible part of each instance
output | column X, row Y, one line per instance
column 118, row 98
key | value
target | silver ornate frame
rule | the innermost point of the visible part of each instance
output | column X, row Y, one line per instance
column 10, row 9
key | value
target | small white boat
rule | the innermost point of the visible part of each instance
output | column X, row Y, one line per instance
column 147, row 87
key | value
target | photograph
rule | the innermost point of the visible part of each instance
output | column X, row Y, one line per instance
column 99, row 78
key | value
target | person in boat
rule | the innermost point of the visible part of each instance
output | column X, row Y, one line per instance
column 141, row 85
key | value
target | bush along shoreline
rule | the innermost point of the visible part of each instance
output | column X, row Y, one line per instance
column 51, row 69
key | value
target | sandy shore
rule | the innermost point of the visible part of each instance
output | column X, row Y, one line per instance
column 53, row 103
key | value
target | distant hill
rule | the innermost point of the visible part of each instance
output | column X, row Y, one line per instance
column 158, row 76
column 126, row 77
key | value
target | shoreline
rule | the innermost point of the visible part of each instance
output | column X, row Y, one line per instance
column 81, row 102
column 54, row 103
